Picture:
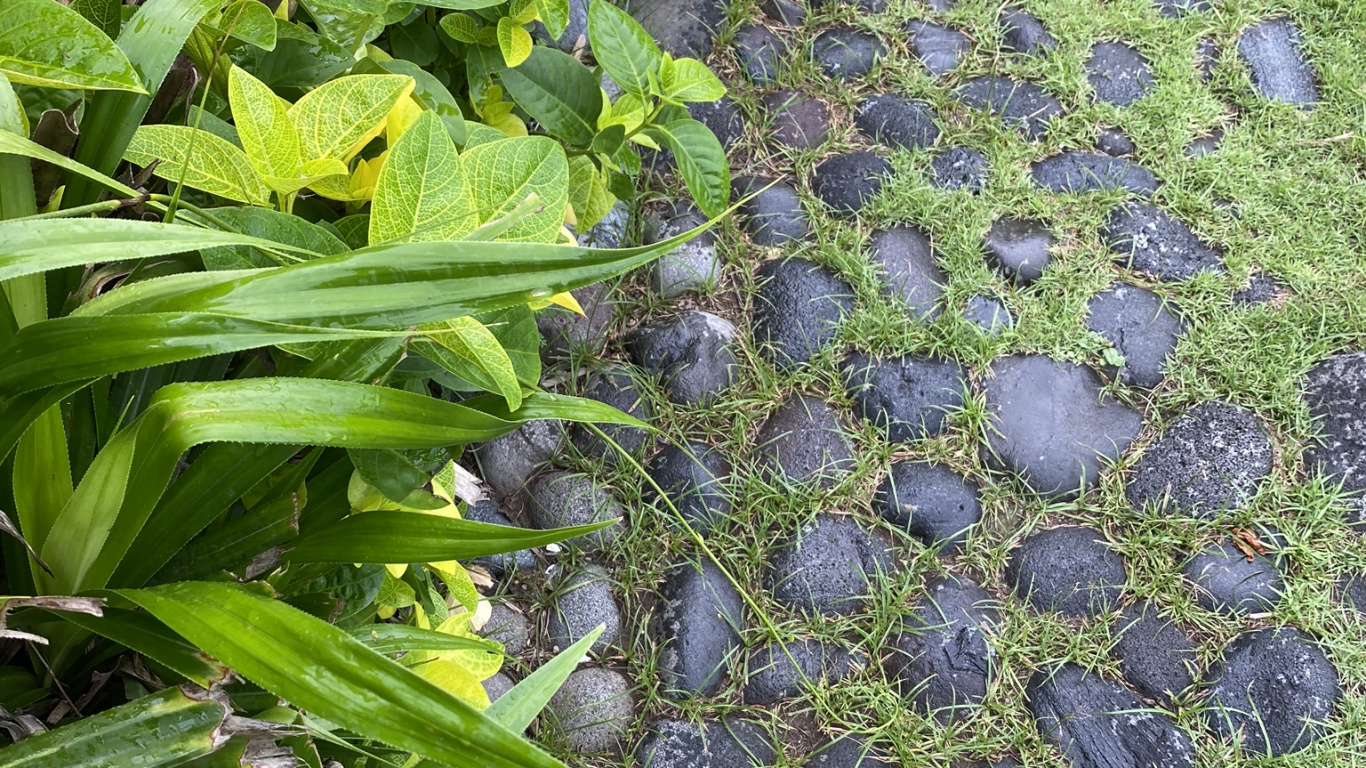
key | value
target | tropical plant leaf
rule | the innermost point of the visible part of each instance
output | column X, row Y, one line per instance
column 422, row 194
column 102, row 13
column 337, row 119
column 559, row 92
column 517, row 708
column 268, row 136
column 249, row 21
column 289, row 235
column 687, row 80
column 514, row 41
column 467, row 339
column 701, row 161
column 400, row 638
column 142, row 633
column 216, row 166
column 502, row 174
column 554, row 15
column 587, row 194
column 430, row 93
column 623, row 47
column 47, row 44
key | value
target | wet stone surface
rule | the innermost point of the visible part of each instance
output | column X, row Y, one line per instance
column 910, row 397
column 803, row 442
column 797, row 121
column 1142, row 328
column 894, row 120
column 509, row 626
column 847, row 182
column 1114, row 143
column 906, row 261
column 728, row 743
column 1020, row 248
column 1260, row 289
column 592, row 710
column 1174, row 8
column 848, row 751
column 583, row 601
column 1118, row 74
column 486, row 511
column 507, row 462
column 1090, row 172
column 1024, row 106
column 939, row 48
column 790, row 12
column 1273, row 52
column 846, row 54
column 1352, row 591
column 692, row 355
column 1335, row 391
column 931, row 501
column 1022, row 32
column 1206, row 57
column 775, row 216
column 1098, row 723
column 1051, row 424
column 989, row 314
column 1226, row 580
column 681, row 27
column 944, row 660
column 696, row 628
column 797, row 311
column 1070, row 569
column 827, row 567
column 960, row 168
column 760, row 52
column 774, row 673
column 694, row 477
column 566, row 332
column 695, row 265
column 616, row 388
column 1276, row 688
column 1155, row 655
column 560, row 499
column 1209, row 460
column 1148, row 239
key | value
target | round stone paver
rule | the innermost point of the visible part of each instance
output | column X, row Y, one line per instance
column 507, row 462
column 1156, row 657
column 944, row 661
column 827, row 567
column 592, row 710
column 1335, row 391
column 931, row 501
column 760, row 52
column 846, row 54
column 847, row 182
column 938, row 47
column 691, row 266
column 1118, row 74
column 1051, row 424
column 848, row 751
column 1149, row 239
column 583, row 601
column 1209, row 460
column 1076, row 171
column 774, row 672
column 1227, row 580
column 909, row 396
column 962, row 168
column 728, row 743
column 1022, row 32
column 906, row 260
column 797, row 121
column 774, row 216
column 1070, row 569
column 694, row 477
column 797, row 311
column 1021, row 248
column 1274, row 54
column 1024, row 106
column 697, row 628
column 562, row 499
column 1114, row 143
column 891, row 119
column 616, row 388
column 1142, row 329
column 692, row 355
column 804, row 442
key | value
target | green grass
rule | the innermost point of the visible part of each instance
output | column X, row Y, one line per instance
column 1293, row 178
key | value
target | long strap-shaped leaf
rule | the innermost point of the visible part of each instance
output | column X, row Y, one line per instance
column 334, row 676
column 163, row 729
column 410, row 537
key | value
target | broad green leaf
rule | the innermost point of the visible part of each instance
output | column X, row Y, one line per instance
column 517, row 708
column 47, row 44
column 249, row 21
column 463, row 5
column 415, row 41
column 207, row 121
column 468, row 339
column 559, row 92
column 301, row 58
column 324, row 170
column 623, row 47
column 503, row 174
column 461, row 26
column 690, row 80
column 587, row 193
column 216, row 166
column 399, row 638
column 422, row 194
column 555, row 16
column 338, row 119
column 162, row 730
column 268, row 136
column 395, row 476
column 431, row 94
column 335, row 677
column 609, row 140
column 291, row 234
column 349, row 23
column 515, row 330
column 514, row 41
column 701, row 161
column 354, row 230
column 522, row 11
column 102, row 13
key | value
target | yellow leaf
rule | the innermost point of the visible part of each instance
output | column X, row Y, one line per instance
column 405, row 112
column 524, row 11
column 263, row 125
column 337, row 119
column 565, row 300
column 513, row 41
column 396, row 569
column 455, row 680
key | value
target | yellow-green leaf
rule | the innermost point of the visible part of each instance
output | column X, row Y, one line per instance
column 461, row 26
column 468, row 339
column 555, row 15
column 248, row 21
column 421, row 194
column 339, row 118
column 268, row 136
column 690, row 80
column 513, row 41
column 503, row 174
column 523, row 11
column 47, row 44
column 587, row 193
column 455, row 680
column 200, row 159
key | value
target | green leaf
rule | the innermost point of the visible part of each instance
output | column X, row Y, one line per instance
column 468, row 339
column 334, row 676
column 518, row 707
column 422, row 194
column 47, row 44
column 623, row 47
column 338, row 119
column 609, row 140
column 514, row 41
column 559, row 92
column 414, row 41
column 587, row 193
column 463, row 5
column 399, row 638
column 354, row 229
column 102, row 13
column 287, row 232
column 554, row 15
column 207, row 121
column 216, row 167
column 301, row 58
column 461, row 26
column 395, row 476
column 701, row 161
column 268, row 135
column 503, row 174
column 690, row 80
column 249, row 21
column 140, row 632
column 431, row 94
column 158, row 731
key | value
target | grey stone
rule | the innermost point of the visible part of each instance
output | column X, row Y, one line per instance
column 826, row 567
column 848, row 751
column 1020, row 248
column 592, row 710
column 694, row 477
column 1275, row 687
column 509, row 626
column 1114, row 143
column 568, row 332
column 943, row 662
column 932, row 502
column 560, row 499
column 697, row 628
column 1208, row 461
column 760, row 53
column 486, row 511
column 616, row 388
column 960, row 168
column 1226, row 580
column 1352, row 591
column 989, row 314
column 507, row 462
column 797, row 121
column 681, row 27
column 790, row 12
column 1205, row 145
column 1335, row 391
column 1118, row 74
column 1142, row 329
column 1024, row 106
column 1070, row 569
column 692, row 266
column 722, row 117
column 1174, row 8
column 1074, row 171
column 904, row 256
column 774, row 216
column 1206, row 57
column 1097, row 723
column 584, row 600
column 1156, row 657
column 909, row 396
column 1260, row 289
column 847, row 182
column 867, row 6
column 1051, row 424
column 942, row 5
column 775, row 672
column 692, row 354
column 889, row 118
column 611, row 231
column 797, row 311
column 1275, row 57
column 1022, row 32
column 1148, row 239
column 846, row 54
column 803, row 442
column 575, row 32
column 938, row 47
column 728, row 743
column 498, row 685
